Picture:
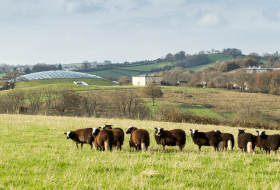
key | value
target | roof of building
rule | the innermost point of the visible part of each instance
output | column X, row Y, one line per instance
column 56, row 75
column 259, row 68
column 150, row 75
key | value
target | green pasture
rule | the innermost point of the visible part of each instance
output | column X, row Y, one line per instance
column 130, row 70
column 148, row 67
column 136, row 69
column 77, row 88
column 200, row 66
column 115, row 72
column 200, row 110
column 149, row 103
column 34, row 83
column 213, row 58
column 35, row 154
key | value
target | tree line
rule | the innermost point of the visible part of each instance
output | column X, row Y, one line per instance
column 229, row 75
column 52, row 101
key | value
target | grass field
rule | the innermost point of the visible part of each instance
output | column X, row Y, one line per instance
column 35, row 83
column 131, row 70
column 115, row 72
column 213, row 58
column 148, row 67
column 35, row 154
column 218, row 103
column 136, row 69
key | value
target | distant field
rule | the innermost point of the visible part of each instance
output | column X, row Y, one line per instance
column 115, row 72
column 131, row 70
column 34, row 83
column 148, row 67
column 213, row 58
column 200, row 66
column 136, row 69
column 218, row 103
column 35, row 154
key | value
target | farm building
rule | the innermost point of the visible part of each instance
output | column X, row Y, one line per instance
column 56, row 75
column 143, row 80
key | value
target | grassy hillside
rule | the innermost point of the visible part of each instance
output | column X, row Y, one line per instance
column 213, row 58
column 64, row 83
column 35, row 154
column 218, row 103
column 115, row 72
column 129, row 70
column 137, row 69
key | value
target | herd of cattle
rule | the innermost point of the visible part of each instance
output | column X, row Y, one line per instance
column 106, row 138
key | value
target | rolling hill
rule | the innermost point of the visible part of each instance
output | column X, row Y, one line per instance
column 149, row 67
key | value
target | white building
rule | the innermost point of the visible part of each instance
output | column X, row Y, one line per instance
column 143, row 80
column 258, row 69
column 80, row 83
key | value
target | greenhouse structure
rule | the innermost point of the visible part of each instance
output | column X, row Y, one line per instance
column 56, row 75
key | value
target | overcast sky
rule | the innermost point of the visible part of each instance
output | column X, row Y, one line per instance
column 70, row 31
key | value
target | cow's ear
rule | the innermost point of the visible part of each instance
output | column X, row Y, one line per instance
column 257, row 131
column 65, row 133
column 155, row 128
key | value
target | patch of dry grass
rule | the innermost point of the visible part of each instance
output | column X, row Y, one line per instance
column 224, row 101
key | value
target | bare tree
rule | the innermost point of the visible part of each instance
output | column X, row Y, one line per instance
column 16, row 98
column 240, row 78
column 208, row 75
column 128, row 103
column 49, row 94
column 92, row 102
column 86, row 65
column 35, row 99
column 11, row 75
column 152, row 91
column 70, row 102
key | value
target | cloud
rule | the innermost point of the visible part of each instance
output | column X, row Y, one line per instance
column 142, row 3
column 135, row 9
column 188, row 2
column 27, row 1
column 193, row 13
column 85, row 6
column 272, row 14
column 139, row 5
column 209, row 20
